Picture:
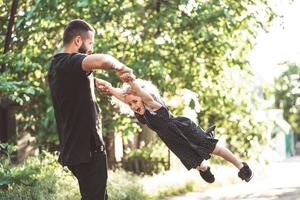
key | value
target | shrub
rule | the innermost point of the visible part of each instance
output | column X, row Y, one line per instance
column 125, row 186
column 39, row 178
column 43, row 178
column 150, row 159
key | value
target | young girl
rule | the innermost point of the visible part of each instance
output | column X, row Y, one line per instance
column 182, row 136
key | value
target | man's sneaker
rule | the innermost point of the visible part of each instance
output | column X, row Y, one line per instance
column 245, row 173
column 207, row 175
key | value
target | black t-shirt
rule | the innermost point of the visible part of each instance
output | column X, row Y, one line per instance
column 76, row 112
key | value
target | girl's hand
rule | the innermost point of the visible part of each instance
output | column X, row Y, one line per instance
column 103, row 85
column 127, row 77
column 103, row 88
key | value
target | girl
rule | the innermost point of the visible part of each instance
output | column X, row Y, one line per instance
column 182, row 136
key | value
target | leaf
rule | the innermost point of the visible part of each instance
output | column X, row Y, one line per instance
column 192, row 104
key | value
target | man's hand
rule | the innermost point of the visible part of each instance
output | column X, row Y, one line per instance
column 127, row 77
column 124, row 69
column 103, row 85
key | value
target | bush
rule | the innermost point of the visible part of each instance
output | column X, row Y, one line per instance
column 43, row 178
column 150, row 159
column 39, row 178
column 125, row 186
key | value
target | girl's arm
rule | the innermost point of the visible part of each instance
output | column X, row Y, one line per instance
column 146, row 96
column 106, row 87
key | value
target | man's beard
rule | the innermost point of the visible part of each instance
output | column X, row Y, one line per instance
column 83, row 49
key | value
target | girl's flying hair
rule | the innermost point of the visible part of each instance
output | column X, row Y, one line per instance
column 146, row 85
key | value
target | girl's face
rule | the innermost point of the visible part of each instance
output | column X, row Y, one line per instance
column 135, row 102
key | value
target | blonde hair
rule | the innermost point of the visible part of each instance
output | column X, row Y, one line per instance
column 146, row 85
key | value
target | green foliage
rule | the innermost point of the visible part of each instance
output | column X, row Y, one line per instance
column 125, row 186
column 38, row 178
column 7, row 149
column 12, row 86
column 230, row 104
column 25, row 85
column 287, row 95
column 16, row 91
column 176, row 44
column 175, row 190
column 126, row 126
column 149, row 159
column 44, row 179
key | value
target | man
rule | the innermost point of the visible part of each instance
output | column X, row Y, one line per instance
column 76, row 112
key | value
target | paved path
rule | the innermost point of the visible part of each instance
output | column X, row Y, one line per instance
column 278, row 181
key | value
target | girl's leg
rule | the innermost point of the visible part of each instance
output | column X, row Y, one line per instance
column 227, row 155
column 245, row 173
column 202, row 167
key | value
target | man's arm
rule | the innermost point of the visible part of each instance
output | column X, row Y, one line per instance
column 106, row 87
column 104, row 61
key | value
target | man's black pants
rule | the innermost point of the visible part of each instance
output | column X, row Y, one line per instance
column 92, row 177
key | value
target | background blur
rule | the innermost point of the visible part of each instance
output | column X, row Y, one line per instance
column 233, row 64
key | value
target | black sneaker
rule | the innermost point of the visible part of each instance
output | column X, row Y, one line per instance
column 210, row 132
column 207, row 175
column 245, row 173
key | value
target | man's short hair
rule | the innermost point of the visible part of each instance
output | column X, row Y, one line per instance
column 76, row 27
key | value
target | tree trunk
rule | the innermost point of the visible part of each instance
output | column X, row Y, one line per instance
column 110, row 149
column 7, row 113
column 7, row 121
column 157, row 8
column 3, row 128
column 11, row 22
column 7, row 44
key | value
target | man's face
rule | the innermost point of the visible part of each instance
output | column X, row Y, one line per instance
column 87, row 44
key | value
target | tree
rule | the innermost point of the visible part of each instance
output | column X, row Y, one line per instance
column 7, row 118
column 287, row 95
column 199, row 45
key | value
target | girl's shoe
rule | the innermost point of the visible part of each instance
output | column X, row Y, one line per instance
column 210, row 132
column 207, row 175
column 245, row 172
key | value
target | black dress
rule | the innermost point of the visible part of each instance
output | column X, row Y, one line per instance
column 190, row 143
